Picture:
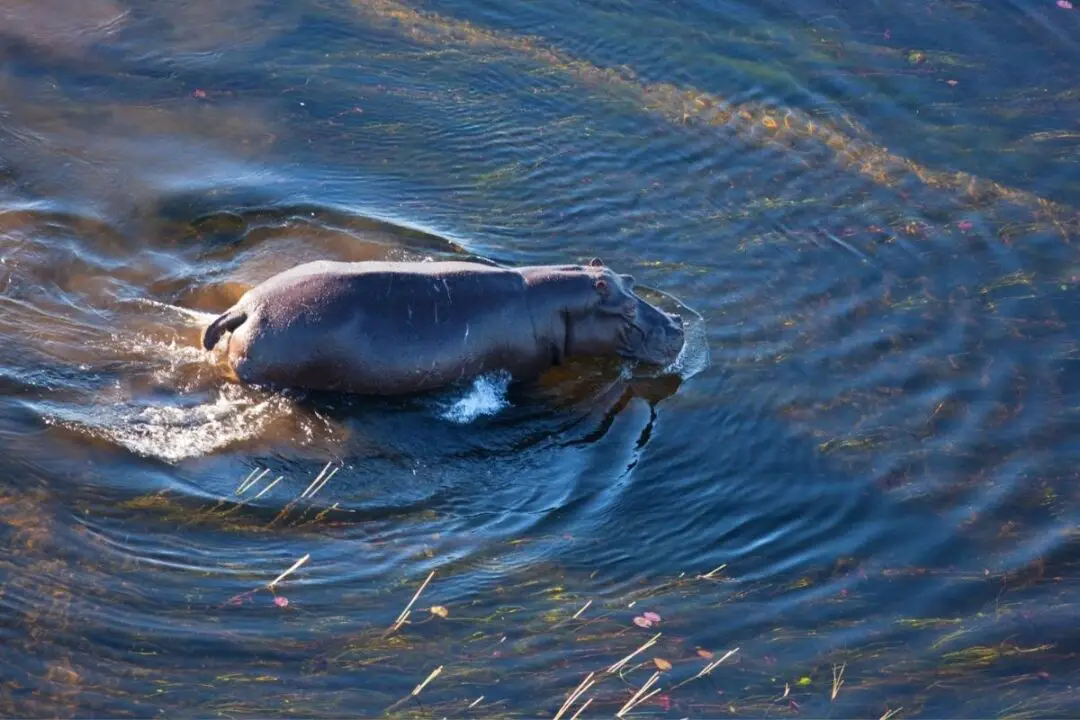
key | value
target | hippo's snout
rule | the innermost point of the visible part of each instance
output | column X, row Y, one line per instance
column 676, row 336
column 675, row 325
column 664, row 337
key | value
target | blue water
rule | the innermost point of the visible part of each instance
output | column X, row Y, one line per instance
column 870, row 212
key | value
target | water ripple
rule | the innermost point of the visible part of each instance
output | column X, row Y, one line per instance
column 870, row 428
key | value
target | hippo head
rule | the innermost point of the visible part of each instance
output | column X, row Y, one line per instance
column 614, row 318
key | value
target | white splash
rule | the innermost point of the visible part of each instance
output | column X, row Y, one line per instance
column 205, row 414
column 170, row 358
column 193, row 317
column 486, row 396
column 175, row 433
column 694, row 355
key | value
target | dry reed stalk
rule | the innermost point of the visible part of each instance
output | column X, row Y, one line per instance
column 583, row 609
column 888, row 714
column 405, row 613
column 648, row 644
column 284, row 512
column 266, row 489
column 416, row 690
column 315, row 481
column 581, row 709
column 249, row 482
column 712, row 573
column 637, row 698
column 707, row 669
column 585, row 684
column 475, row 702
column 323, row 483
column 434, row 674
column 290, row 571
column 837, row 680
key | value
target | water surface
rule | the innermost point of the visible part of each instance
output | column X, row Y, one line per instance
column 858, row 487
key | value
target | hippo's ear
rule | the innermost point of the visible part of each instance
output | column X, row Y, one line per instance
column 628, row 281
column 596, row 262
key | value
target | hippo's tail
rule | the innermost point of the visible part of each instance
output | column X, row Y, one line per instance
column 227, row 321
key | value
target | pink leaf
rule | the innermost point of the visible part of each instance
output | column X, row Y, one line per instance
column 651, row 617
column 281, row 601
column 1065, row 4
column 642, row 621
column 964, row 225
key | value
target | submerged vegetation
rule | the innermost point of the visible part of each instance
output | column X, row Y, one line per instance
column 786, row 129
column 546, row 641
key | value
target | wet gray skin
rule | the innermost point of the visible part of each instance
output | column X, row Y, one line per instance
column 388, row 328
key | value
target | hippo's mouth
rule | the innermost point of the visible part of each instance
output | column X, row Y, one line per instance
column 657, row 348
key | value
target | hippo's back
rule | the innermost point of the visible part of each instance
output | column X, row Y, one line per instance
column 370, row 325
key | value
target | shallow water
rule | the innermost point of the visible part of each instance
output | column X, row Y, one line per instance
column 869, row 211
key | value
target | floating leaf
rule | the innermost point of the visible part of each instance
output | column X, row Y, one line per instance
column 661, row 664
column 651, row 616
column 440, row 611
column 804, row 680
column 642, row 621
column 702, row 652
column 1064, row 4
column 281, row 601
column 964, row 225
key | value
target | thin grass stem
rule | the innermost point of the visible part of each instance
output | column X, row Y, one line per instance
column 290, row 571
column 573, row 696
column 648, row 644
column 405, row 613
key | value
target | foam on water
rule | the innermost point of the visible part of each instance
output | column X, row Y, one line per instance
column 694, row 356
column 193, row 317
column 204, row 413
column 486, row 396
column 171, row 432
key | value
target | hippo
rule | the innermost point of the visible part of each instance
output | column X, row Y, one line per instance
column 399, row 327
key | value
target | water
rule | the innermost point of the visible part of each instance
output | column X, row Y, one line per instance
column 859, row 479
